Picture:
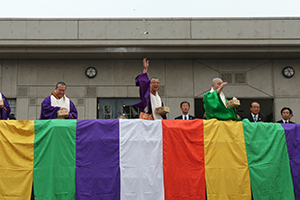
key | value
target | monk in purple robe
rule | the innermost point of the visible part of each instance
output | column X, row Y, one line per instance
column 58, row 101
column 149, row 97
column 5, row 109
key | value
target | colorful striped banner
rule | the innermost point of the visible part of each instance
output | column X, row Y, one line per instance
column 16, row 159
column 268, row 161
column 226, row 167
column 141, row 159
column 183, row 159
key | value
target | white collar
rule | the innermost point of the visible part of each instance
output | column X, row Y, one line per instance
column 187, row 116
column 254, row 115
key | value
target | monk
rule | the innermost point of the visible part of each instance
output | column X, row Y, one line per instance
column 58, row 101
column 5, row 109
column 215, row 102
column 149, row 97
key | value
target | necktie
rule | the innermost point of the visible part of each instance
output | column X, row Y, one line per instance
column 185, row 117
column 255, row 118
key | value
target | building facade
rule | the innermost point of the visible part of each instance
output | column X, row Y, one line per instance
column 184, row 53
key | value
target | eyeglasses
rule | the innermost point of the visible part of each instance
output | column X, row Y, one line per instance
column 155, row 83
column 255, row 107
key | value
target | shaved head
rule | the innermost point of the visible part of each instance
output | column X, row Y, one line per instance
column 215, row 80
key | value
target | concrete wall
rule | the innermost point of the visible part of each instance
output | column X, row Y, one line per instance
column 185, row 53
column 169, row 38
column 156, row 28
column 30, row 81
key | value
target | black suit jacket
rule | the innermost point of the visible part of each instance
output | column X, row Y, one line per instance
column 190, row 117
column 261, row 117
column 280, row 121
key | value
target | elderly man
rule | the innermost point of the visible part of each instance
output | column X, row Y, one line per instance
column 286, row 115
column 58, row 101
column 255, row 115
column 5, row 109
column 214, row 102
column 149, row 97
column 185, row 108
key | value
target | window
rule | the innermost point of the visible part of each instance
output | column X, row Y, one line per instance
column 112, row 108
column 107, row 112
column 130, row 112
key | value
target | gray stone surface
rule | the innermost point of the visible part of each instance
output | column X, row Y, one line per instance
column 203, row 75
column 288, row 28
column 125, row 72
column 76, row 92
column 49, row 72
column 134, row 29
column 32, row 101
column 133, row 91
column 51, row 29
column 90, row 108
column 185, row 54
column 91, row 91
column 22, row 91
column 32, row 113
column 229, row 29
column 179, row 78
column 42, row 92
column 80, row 101
column 93, row 30
column 12, row 30
column 22, row 109
column 81, row 112
column 106, row 91
column 39, row 101
column 121, row 92
column 9, row 74
column 260, row 78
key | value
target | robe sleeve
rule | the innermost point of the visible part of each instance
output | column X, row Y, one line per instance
column 215, row 108
column 163, row 116
column 5, row 110
column 48, row 111
column 143, row 82
column 73, row 111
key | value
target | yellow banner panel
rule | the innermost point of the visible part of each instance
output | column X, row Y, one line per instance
column 16, row 159
column 226, row 167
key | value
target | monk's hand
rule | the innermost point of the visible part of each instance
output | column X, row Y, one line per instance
column 219, row 90
column 223, row 85
column 146, row 65
column 63, row 109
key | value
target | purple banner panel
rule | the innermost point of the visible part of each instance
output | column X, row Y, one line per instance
column 292, row 133
column 97, row 159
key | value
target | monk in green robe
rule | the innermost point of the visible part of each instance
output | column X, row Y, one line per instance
column 214, row 102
